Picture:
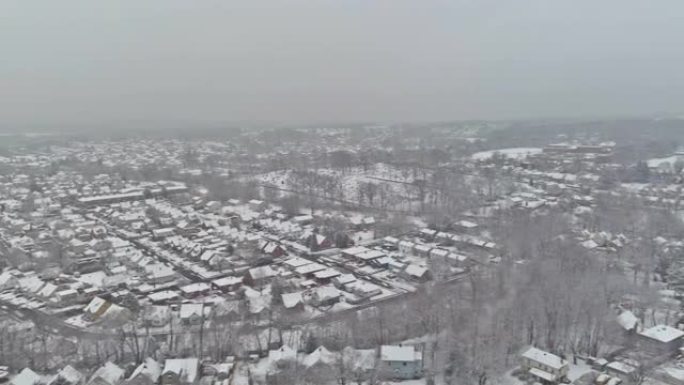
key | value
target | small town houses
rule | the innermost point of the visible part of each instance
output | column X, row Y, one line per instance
column 544, row 366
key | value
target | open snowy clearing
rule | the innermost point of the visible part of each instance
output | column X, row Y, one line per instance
column 513, row 153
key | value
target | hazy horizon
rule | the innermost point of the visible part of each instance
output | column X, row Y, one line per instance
column 165, row 63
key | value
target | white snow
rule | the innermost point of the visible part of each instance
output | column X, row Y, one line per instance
column 663, row 333
column 548, row 359
column 513, row 153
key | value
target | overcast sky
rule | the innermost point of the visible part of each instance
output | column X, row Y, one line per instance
column 169, row 61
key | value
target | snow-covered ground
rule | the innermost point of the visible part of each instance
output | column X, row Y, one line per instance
column 664, row 162
column 575, row 372
column 395, row 181
column 514, row 153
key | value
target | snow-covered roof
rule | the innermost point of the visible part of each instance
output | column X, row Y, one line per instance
column 662, row 333
column 621, row 367
column 627, row 320
column 320, row 355
column 109, row 372
column 284, row 353
column 196, row 287
column 262, row 272
column 164, row 295
column 545, row 358
column 345, row 279
column 291, row 300
column 227, row 281
column 327, row 273
column 415, row 270
column 150, row 368
column 187, row 310
column 185, row 368
column 310, row 268
column 324, row 293
column 297, row 262
column 95, row 305
column 26, row 377
column 69, row 374
column 398, row 353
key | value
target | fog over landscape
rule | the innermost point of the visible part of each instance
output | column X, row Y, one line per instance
column 319, row 192
column 160, row 62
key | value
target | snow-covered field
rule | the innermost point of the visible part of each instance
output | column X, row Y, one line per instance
column 394, row 181
column 664, row 162
column 514, row 153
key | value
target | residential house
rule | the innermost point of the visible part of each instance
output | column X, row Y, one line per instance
column 156, row 316
column 180, row 371
column 293, row 302
column 661, row 339
column 227, row 284
column 196, row 289
column 545, row 366
column 401, row 362
column 227, row 310
column 192, row 313
column 259, row 276
column 107, row 374
column 26, row 377
column 67, row 376
column 147, row 373
column 325, row 296
column 416, row 273
column 96, row 309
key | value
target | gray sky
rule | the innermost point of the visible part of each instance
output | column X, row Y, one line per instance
column 169, row 61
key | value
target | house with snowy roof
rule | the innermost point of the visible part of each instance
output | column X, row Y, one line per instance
column 258, row 276
column 292, row 302
column 192, row 313
column 67, row 376
column 147, row 373
column 227, row 284
column 107, row 374
column 26, row 377
column 156, row 315
column 96, row 308
column 319, row 357
column 545, row 366
column 416, row 272
column 400, row 362
column 660, row 339
column 325, row 296
column 180, row 371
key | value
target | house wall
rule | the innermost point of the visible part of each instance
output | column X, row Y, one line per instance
column 657, row 346
column 527, row 364
column 404, row 370
column 170, row 379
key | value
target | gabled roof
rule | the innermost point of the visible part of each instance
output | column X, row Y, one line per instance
column 110, row 373
column 319, row 356
column 188, row 310
column 262, row 272
column 185, row 368
column 291, row 300
column 68, row 374
column 150, row 369
column 26, row 377
column 96, row 304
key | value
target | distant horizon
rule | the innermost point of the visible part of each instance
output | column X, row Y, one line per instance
column 209, row 125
